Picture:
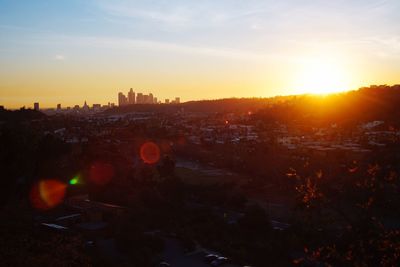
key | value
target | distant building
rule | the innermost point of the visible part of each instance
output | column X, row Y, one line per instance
column 177, row 100
column 85, row 107
column 131, row 97
column 96, row 107
column 146, row 99
column 36, row 106
column 1, row 107
column 139, row 98
column 58, row 107
column 122, row 100
column 167, row 101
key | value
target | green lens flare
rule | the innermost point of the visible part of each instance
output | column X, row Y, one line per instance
column 74, row 181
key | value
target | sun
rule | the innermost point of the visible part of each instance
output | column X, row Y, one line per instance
column 321, row 75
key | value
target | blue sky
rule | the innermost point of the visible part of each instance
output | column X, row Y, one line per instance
column 223, row 48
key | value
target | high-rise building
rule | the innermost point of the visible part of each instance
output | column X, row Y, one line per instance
column 177, row 100
column 167, row 101
column 58, row 107
column 151, row 98
column 155, row 100
column 131, row 97
column 122, row 100
column 36, row 106
column 85, row 107
column 139, row 98
column 146, row 99
column 96, row 107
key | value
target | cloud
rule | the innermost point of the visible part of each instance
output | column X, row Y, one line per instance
column 182, row 15
column 59, row 57
column 149, row 45
column 164, row 17
column 169, row 16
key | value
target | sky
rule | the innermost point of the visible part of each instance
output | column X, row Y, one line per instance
column 71, row 51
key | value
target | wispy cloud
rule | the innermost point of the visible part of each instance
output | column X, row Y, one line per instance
column 175, row 17
column 185, row 14
column 59, row 57
column 167, row 16
column 149, row 45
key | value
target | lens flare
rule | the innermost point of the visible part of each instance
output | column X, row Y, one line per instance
column 74, row 180
column 150, row 153
column 47, row 194
column 101, row 173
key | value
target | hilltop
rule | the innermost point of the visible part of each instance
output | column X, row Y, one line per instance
column 365, row 104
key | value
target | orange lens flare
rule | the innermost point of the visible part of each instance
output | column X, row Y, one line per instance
column 150, row 153
column 47, row 194
column 101, row 173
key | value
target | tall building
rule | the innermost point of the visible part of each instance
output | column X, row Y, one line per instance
column 155, row 100
column 85, row 107
column 177, row 100
column 131, row 97
column 36, row 106
column 58, row 107
column 146, row 99
column 96, row 107
column 151, row 98
column 167, row 101
column 139, row 98
column 122, row 100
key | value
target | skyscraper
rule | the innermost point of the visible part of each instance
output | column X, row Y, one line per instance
column 36, row 106
column 122, row 100
column 146, row 99
column 85, row 107
column 131, row 97
column 139, row 98
column 177, row 100
column 150, row 98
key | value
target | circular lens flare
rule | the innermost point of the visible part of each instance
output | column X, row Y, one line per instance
column 101, row 173
column 74, row 180
column 47, row 194
column 150, row 153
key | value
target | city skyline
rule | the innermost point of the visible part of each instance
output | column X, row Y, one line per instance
column 52, row 51
column 130, row 98
column 133, row 97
